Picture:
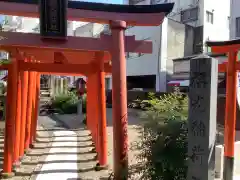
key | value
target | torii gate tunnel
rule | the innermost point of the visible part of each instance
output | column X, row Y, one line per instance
column 231, row 67
column 55, row 53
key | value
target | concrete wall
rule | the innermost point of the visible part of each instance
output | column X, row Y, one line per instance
column 88, row 30
column 168, row 43
column 187, row 4
column 176, row 43
column 219, row 30
column 189, row 40
column 147, row 63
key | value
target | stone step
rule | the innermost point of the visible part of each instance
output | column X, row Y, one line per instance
column 45, row 93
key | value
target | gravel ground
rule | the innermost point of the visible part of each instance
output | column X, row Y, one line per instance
column 133, row 137
column 73, row 121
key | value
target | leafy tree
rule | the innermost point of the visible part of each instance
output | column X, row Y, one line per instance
column 163, row 145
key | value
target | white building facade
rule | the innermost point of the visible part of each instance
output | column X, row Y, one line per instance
column 183, row 33
column 235, row 20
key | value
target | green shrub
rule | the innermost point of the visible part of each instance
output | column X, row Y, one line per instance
column 5, row 61
column 66, row 103
column 163, row 144
column 69, row 107
column 59, row 100
column 2, row 88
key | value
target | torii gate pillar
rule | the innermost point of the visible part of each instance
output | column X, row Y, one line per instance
column 119, row 96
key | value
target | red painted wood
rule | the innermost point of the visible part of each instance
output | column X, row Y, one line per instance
column 102, row 117
column 18, row 119
column 62, row 68
column 37, row 94
column 29, row 110
column 33, row 120
column 223, row 67
column 119, row 99
column 24, row 77
column 10, row 117
column 33, row 41
column 230, row 109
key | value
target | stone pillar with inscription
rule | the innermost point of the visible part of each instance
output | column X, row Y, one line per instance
column 202, row 118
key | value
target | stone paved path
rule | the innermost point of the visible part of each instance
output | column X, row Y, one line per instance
column 70, row 158
column 31, row 162
column 60, row 153
column 58, row 164
column 74, row 121
column 70, row 155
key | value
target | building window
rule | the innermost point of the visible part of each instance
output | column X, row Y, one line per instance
column 238, row 27
column 189, row 15
column 209, row 17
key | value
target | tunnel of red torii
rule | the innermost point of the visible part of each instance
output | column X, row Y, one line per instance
column 31, row 55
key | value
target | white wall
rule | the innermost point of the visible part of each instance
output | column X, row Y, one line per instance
column 154, row 63
column 161, row 77
column 147, row 63
column 28, row 24
column 219, row 30
column 235, row 4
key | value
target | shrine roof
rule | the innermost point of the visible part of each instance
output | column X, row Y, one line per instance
column 137, row 15
column 157, row 8
column 223, row 43
column 119, row 8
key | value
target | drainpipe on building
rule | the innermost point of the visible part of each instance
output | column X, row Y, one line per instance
column 158, row 61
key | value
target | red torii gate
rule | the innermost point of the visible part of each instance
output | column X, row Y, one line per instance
column 231, row 67
column 31, row 55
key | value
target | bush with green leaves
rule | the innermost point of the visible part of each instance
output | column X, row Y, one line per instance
column 5, row 61
column 66, row 103
column 3, row 88
column 163, row 144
